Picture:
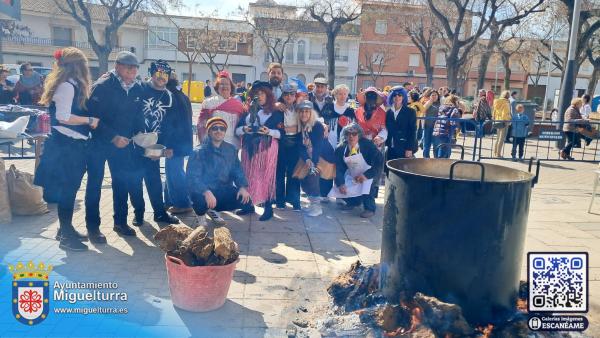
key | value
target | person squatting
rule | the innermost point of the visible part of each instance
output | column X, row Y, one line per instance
column 256, row 148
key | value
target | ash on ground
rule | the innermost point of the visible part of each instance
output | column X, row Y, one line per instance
column 358, row 309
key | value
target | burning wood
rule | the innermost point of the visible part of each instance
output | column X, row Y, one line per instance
column 360, row 310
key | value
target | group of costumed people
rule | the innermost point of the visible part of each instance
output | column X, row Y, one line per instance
column 314, row 142
column 261, row 152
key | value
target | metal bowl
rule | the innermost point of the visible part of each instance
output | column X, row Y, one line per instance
column 156, row 150
column 145, row 140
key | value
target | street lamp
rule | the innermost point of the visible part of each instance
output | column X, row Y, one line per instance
column 566, row 90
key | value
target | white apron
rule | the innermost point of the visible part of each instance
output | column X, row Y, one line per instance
column 356, row 166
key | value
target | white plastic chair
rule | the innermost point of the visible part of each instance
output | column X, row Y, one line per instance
column 596, row 181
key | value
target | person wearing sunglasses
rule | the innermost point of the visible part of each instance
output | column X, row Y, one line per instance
column 358, row 164
column 157, row 103
column 214, row 175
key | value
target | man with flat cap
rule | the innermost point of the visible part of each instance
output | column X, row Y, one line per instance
column 214, row 174
column 116, row 98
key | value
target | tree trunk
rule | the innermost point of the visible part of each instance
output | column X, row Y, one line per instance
column 593, row 81
column 428, row 69
column 190, row 64
column 485, row 57
column 102, row 61
column 331, row 59
column 483, row 65
column 429, row 74
column 452, row 69
column 507, row 71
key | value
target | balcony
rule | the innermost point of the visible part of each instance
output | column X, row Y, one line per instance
column 46, row 46
column 322, row 57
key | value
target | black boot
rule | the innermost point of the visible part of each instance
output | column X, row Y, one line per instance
column 166, row 218
column 268, row 214
column 96, row 236
column 69, row 239
column 75, row 233
column 138, row 220
column 124, row 229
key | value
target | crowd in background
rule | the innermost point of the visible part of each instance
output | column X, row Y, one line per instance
column 260, row 144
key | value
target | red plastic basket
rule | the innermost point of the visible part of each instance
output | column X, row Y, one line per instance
column 198, row 288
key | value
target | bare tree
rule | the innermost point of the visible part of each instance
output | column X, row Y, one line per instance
column 455, row 17
column 13, row 30
column 510, row 13
column 593, row 56
column 507, row 49
column 332, row 15
column 533, row 63
column 274, row 33
column 212, row 43
column 589, row 24
column 375, row 61
column 115, row 12
column 424, row 29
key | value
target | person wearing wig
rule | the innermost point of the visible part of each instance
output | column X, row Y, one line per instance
column 313, row 156
column 223, row 105
column 371, row 116
column 288, row 187
column 261, row 129
column 158, row 103
column 358, row 165
column 400, row 122
column 64, row 160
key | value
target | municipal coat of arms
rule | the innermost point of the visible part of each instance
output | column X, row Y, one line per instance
column 30, row 295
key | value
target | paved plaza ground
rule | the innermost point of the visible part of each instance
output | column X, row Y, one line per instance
column 285, row 262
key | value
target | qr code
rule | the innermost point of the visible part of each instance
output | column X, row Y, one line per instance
column 558, row 281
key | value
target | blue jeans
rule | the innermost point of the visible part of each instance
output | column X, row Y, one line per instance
column 427, row 136
column 443, row 151
column 176, row 192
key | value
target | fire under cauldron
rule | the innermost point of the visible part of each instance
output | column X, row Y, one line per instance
column 455, row 230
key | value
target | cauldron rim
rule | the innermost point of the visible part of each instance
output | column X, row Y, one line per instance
column 389, row 164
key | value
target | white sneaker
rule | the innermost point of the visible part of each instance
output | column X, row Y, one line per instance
column 315, row 210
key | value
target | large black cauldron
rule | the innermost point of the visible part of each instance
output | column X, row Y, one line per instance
column 455, row 230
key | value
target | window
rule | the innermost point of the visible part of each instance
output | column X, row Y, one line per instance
column 186, row 77
column 336, row 50
column 368, row 83
column 380, row 27
column 159, row 37
column 238, row 77
column 267, row 56
column 301, row 51
column 289, row 53
column 413, row 60
column 62, row 36
column 324, row 50
column 227, row 45
column 440, row 59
